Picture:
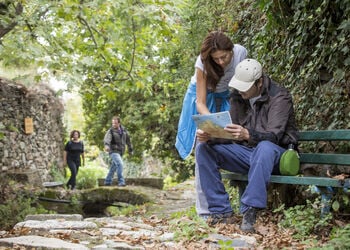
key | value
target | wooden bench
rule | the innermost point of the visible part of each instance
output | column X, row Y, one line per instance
column 333, row 159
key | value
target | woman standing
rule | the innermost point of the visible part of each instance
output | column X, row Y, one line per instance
column 207, row 93
column 73, row 153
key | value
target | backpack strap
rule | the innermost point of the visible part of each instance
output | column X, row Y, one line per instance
column 113, row 139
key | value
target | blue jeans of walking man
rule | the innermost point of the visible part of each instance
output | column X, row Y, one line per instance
column 116, row 166
column 258, row 162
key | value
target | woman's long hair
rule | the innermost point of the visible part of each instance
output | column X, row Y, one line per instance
column 215, row 40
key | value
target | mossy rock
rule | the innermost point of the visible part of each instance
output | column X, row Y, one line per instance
column 96, row 199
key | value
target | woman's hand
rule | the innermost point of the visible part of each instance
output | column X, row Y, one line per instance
column 238, row 132
column 202, row 136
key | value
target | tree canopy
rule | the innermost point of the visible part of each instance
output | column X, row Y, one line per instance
column 134, row 58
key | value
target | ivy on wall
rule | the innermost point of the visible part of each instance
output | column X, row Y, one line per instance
column 305, row 46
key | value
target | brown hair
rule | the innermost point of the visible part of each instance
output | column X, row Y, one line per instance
column 72, row 133
column 215, row 40
column 116, row 118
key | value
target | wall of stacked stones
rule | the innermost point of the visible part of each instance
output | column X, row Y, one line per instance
column 21, row 151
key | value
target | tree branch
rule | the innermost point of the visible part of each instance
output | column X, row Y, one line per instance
column 4, row 10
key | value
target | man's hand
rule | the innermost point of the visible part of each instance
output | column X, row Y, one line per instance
column 202, row 136
column 107, row 148
column 238, row 132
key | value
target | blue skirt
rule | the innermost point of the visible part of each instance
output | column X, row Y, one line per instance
column 186, row 131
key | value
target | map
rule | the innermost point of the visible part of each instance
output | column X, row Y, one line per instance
column 214, row 124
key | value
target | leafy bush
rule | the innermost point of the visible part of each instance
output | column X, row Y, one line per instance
column 16, row 202
column 57, row 174
column 88, row 176
column 304, row 219
column 340, row 238
column 128, row 210
column 15, row 210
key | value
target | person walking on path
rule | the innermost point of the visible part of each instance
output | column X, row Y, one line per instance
column 72, row 156
column 115, row 141
column 263, row 125
column 207, row 92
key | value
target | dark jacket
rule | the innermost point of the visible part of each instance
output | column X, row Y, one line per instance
column 117, row 141
column 273, row 118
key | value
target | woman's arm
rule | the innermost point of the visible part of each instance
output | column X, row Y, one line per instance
column 201, row 93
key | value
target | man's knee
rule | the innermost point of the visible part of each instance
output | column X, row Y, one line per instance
column 266, row 147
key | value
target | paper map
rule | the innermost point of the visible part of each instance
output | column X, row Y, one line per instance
column 214, row 124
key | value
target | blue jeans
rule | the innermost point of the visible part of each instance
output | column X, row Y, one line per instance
column 258, row 162
column 116, row 166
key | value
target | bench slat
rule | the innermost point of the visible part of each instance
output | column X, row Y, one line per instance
column 319, row 158
column 300, row 180
column 325, row 135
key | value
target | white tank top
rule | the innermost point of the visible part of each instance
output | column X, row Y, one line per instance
column 239, row 54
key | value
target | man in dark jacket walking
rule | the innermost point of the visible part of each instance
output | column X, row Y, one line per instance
column 263, row 126
column 115, row 141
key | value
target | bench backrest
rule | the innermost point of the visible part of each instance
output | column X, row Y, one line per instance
column 324, row 158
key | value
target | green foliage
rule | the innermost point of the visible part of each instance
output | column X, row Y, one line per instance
column 12, row 128
column 16, row 202
column 169, row 182
column 57, row 174
column 302, row 44
column 234, row 196
column 187, row 225
column 88, row 176
column 91, row 153
column 73, row 117
column 304, row 219
column 225, row 245
column 340, row 238
column 135, row 58
column 341, row 201
column 15, row 210
column 128, row 210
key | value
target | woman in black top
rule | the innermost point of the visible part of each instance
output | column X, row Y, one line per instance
column 73, row 150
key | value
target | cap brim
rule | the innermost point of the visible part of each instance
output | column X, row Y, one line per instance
column 240, row 85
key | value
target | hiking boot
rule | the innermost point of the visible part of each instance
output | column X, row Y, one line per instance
column 214, row 219
column 121, row 184
column 249, row 218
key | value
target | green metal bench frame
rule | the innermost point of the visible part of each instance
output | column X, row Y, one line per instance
column 310, row 158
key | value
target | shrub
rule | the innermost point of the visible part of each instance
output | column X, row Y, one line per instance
column 304, row 219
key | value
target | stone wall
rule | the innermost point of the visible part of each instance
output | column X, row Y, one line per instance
column 31, row 155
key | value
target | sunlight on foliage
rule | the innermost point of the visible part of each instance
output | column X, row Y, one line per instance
column 128, row 210
column 169, row 182
column 88, row 176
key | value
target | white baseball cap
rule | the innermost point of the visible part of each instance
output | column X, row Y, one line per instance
column 246, row 73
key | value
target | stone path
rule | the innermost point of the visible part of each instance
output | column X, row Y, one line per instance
column 64, row 231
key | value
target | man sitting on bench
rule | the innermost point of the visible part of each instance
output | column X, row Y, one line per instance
column 263, row 126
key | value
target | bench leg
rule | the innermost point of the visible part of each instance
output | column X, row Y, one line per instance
column 326, row 199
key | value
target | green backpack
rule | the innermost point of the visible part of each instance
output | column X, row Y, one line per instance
column 289, row 162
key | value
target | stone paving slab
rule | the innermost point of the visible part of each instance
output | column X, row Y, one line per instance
column 43, row 217
column 39, row 242
column 55, row 224
column 65, row 231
